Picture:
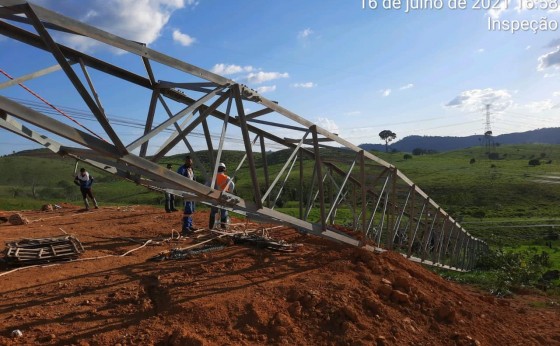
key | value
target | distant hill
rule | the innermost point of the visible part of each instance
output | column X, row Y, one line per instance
column 447, row 143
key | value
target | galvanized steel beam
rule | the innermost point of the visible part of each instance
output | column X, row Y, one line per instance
column 381, row 197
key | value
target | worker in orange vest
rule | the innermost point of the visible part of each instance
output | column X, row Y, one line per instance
column 223, row 183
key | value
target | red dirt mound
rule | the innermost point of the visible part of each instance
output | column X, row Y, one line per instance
column 324, row 293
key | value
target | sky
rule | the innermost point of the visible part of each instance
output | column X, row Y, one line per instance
column 353, row 67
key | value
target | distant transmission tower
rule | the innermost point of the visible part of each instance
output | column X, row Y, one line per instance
column 488, row 140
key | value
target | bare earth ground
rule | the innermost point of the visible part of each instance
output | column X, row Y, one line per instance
column 323, row 294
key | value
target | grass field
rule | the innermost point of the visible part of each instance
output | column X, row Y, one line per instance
column 505, row 192
column 505, row 201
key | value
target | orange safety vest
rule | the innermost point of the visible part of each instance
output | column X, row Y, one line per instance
column 222, row 181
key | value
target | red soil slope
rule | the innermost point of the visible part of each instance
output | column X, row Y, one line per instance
column 322, row 294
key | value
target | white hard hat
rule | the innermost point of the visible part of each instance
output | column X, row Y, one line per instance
column 222, row 165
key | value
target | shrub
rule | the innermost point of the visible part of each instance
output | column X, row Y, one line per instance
column 534, row 162
column 514, row 270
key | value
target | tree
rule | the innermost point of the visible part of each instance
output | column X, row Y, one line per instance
column 387, row 136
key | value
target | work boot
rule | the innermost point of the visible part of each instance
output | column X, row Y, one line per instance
column 187, row 232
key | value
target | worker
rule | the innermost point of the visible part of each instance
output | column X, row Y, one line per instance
column 84, row 180
column 223, row 183
column 188, row 211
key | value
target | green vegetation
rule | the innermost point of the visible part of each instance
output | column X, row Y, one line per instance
column 505, row 188
column 503, row 272
column 27, row 182
column 509, row 198
column 502, row 196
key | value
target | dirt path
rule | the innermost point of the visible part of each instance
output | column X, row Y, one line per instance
column 322, row 294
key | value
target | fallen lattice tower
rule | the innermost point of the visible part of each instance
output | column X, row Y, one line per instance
column 384, row 208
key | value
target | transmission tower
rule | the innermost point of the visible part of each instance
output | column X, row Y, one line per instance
column 488, row 140
column 373, row 191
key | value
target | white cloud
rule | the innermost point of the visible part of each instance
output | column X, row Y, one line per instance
column 385, row 92
column 480, row 50
column 224, row 69
column 538, row 106
column 528, row 47
column 497, row 11
column 253, row 75
column 266, row 89
column 556, row 94
column 327, row 124
column 408, row 86
column 137, row 20
column 554, row 43
column 476, row 100
column 261, row 77
column 551, row 59
column 307, row 85
column 304, row 34
column 183, row 39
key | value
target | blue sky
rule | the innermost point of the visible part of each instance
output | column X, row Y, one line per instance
column 352, row 70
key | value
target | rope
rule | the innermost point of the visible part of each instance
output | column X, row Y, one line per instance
column 173, row 231
column 52, row 106
column 138, row 248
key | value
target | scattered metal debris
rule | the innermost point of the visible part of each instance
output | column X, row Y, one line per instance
column 224, row 238
column 263, row 241
column 176, row 254
column 41, row 250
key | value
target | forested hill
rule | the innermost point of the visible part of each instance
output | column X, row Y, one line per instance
column 441, row 143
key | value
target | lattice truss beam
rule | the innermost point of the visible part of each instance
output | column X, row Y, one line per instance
column 350, row 195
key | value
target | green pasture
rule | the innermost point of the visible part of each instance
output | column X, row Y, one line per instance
column 480, row 194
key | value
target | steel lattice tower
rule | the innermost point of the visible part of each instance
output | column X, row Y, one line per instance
column 488, row 140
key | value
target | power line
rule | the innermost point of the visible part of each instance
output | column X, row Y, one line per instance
column 123, row 121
